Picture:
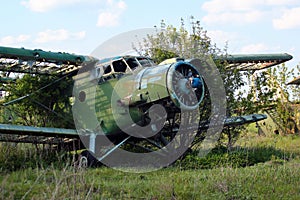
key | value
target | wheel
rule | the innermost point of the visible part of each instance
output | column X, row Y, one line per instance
column 86, row 159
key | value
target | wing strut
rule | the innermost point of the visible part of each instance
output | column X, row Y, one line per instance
column 113, row 149
column 42, row 88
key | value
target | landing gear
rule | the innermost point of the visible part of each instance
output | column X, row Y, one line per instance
column 86, row 159
column 161, row 150
column 177, row 133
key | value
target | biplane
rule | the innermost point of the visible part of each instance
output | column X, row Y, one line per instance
column 126, row 87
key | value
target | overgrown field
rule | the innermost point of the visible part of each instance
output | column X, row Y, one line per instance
column 256, row 168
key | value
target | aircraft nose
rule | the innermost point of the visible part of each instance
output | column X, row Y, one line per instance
column 185, row 85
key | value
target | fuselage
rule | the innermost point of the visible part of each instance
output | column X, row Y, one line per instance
column 116, row 94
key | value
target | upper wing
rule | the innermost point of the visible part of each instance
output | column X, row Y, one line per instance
column 37, row 61
column 246, row 62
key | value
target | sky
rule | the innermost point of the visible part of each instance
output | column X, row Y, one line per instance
column 80, row 26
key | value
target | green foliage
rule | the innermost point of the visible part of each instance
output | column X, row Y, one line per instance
column 274, row 94
column 238, row 157
column 40, row 101
column 160, row 55
column 170, row 41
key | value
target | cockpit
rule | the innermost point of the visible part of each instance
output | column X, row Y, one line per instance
column 118, row 66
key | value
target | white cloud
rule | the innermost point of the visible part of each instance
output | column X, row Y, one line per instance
column 281, row 2
column 107, row 19
column 217, row 6
column 221, row 37
column 108, row 16
column 288, row 20
column 233, row 11
column 46, row 5
column 12, row 40
column 43, row 6
column 246, row 11
column 58, row 35
column 233, row 17
column 111, row 16
column 255, row 48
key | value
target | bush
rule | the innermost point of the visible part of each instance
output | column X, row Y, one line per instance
column 237, row 157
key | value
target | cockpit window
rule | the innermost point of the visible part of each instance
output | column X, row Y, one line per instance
column 132, row 62
column 145, row 62
column 107, row 69
column 119, row 66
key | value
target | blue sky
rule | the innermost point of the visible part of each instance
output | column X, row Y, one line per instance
column 79, row 26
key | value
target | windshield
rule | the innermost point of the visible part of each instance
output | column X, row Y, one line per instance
column 145, row 62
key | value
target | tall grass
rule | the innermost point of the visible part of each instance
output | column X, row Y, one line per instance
column 257, row 168
column 22, row 156
column 264, row 181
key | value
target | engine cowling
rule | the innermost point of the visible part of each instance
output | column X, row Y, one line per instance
column 185, row 85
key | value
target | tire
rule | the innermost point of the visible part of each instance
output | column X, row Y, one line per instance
column 86, row 159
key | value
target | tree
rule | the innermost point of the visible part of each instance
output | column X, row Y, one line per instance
column 37, row 100
column 279, row 99
column 170, row 42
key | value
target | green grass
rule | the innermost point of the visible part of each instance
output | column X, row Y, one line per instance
column 264, row 181
column 257, row 168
